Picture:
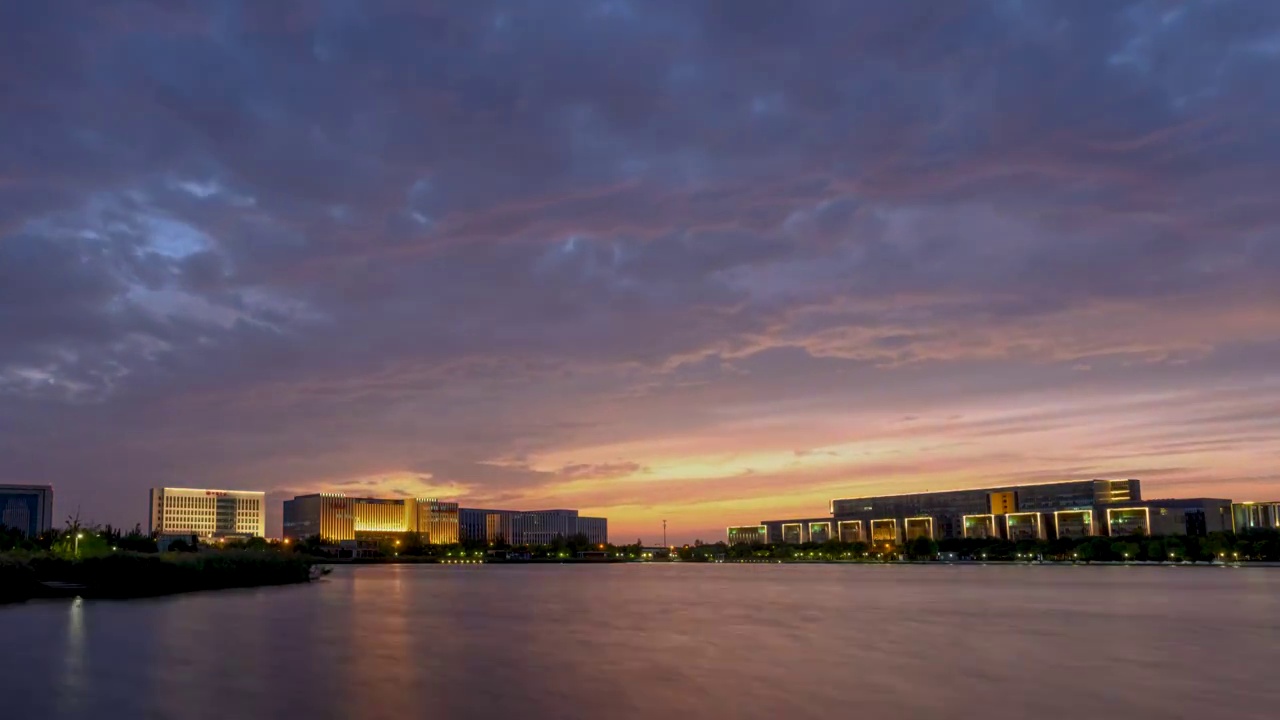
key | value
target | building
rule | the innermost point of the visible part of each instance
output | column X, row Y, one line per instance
column 747, row 534
column 528, row 527
column 482, row 525
column 1180, row 516
column 1072, row 508
column 985, row 511
column 799, row 531
column 595, row 528
column 1246, row 516
column 540, row 527
column 28, row 508
column 207, row 513
column 336, row 517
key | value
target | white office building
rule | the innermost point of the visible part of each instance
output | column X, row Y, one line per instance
column 208, row 513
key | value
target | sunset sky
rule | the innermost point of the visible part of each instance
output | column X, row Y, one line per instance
column 712, row 262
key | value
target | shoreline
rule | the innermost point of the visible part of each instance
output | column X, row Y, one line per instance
column 928, row 563
column 124, row 576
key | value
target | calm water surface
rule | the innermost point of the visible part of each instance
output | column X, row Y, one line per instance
column 661, row 641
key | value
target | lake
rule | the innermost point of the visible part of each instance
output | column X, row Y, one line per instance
column 672, row 642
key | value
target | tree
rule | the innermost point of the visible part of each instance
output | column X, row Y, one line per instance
column 1124, row 550
column 922, row 548
column 1095, row 549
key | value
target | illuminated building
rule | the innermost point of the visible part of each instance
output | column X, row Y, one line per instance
column 1246, row 516
column 207, row 513
column 1036, row 511
column 918, row 527
column 1128, row 521
column 820, row 531
column 850, row 531
column 884, row 531
column 27, row 508
column 949, row 508
column 336, row 517
column 1073, row 523
column 979, row 526
column 749, row 534
column 1074, row 509
column 1024, row 526
column 529, row 527
column 1189, row 516
column 793, row 533
column 1178, row 516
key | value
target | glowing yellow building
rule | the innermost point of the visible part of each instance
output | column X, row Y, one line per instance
column 336, row 517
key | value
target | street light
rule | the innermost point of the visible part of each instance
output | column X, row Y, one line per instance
column 78, row 536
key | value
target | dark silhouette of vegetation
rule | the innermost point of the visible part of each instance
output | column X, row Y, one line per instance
column 127, row 574
column 922, row 548
column 17, row 580
column 1259, row 545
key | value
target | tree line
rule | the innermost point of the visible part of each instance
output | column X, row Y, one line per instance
column 1259, row 545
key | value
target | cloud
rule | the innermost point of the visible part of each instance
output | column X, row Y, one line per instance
column 503, row 245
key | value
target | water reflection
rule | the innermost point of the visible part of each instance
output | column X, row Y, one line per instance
column 668, row 642
column 72, row 688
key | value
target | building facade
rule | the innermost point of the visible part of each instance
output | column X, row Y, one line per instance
column 528, row 527
column 335, row 517
column 28, row 508
column 1246, row 516
column 1073, row 509
column 595, row 528
column 747, row 534
column 484, row 525
column 978, row 512
column 1180, row 516
column 1017, row 512
column 207, row 513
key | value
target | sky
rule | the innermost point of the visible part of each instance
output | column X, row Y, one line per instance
column 711, row 262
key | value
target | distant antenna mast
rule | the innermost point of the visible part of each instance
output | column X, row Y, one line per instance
column 664, row 534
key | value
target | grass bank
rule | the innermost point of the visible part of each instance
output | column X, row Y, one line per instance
column 128, row 575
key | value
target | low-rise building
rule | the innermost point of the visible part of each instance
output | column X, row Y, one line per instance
column 1072, row 509
column 1246, row 516
column 747, row 534
column 1172, row 516
column 1015, row 512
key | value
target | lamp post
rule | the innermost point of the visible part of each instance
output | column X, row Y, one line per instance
column 78, row 536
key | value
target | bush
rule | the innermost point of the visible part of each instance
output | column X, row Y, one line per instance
column 121, row 574
column 17, row 580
